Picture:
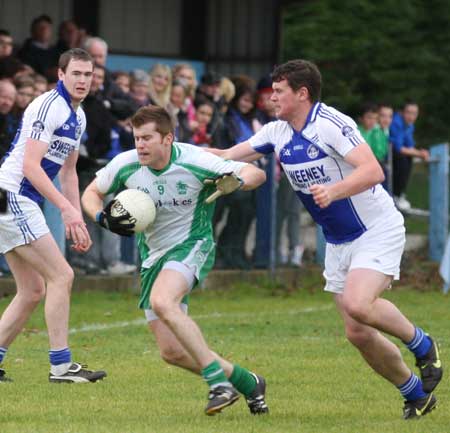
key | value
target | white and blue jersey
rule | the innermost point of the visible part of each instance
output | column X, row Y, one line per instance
column 50, row 118
column 315, row 155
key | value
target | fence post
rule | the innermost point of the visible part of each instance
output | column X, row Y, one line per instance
column 438, row 180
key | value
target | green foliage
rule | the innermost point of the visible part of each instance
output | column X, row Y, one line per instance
column 384, row 50
column 317, row 382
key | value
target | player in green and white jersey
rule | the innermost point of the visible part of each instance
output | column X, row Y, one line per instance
column 177, row 251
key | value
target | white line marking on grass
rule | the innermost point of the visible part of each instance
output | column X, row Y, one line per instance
column 140, row 322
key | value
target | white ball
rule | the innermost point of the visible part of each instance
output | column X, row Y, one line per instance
column 139, row 205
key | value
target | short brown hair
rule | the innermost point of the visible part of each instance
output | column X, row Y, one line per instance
column 153, row 114
column 75, row 54
column 300, row 73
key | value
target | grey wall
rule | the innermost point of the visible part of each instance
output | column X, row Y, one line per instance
column 16, row 15
column 142, row 26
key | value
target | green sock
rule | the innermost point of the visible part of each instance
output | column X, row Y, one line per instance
column 242, row 380
column 214, row 374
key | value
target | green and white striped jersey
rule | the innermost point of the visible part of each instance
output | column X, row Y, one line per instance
column 177, row 190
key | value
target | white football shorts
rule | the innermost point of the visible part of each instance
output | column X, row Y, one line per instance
column 379, row 248
column 22, row 223
column 188, row 273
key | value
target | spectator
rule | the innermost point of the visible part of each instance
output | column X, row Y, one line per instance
column 385, row 113
column 24, row 95
column 118, row 102
column 139, row 87
column 241, row 123
column 122, row 80
column 204, row 110
column 372, row 133
column 185, row 73
column 98, row 49
column 160, row 85
column 6, row 43
column 36, row 51
column 402, row 139
column 68, row 37
column 104, row 255
column 177, row 109
column 9, row 63
column 7, row 99
column 40, row 85
column 227, row 92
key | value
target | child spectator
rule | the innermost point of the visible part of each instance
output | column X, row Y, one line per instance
column 372, row 133
column 204, row 110
column 122, row 79
column 40, row 85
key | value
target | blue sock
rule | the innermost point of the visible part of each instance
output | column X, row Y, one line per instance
column 412, row 388
column 58, row 357
column 420, row 344
column 3, row 351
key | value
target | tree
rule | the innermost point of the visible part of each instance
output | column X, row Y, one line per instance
column 383, row 51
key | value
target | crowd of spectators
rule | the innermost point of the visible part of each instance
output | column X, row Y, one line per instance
column 214, row 111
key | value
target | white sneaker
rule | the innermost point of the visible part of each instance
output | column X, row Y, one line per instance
column 297, row 255
column 401, row 203
column 120, row 268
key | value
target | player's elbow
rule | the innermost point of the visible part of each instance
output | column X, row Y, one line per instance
column 261, row 176
column 28, row 168
column 379, row 175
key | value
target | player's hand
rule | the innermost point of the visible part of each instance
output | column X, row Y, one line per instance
column 115, row 224
column 76, row 229
column 321, row 195
column 225, row 183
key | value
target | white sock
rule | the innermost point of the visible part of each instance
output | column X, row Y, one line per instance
column 59, row 370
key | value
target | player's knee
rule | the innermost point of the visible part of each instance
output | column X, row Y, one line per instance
column 161, row 306
column 173, row 356
column 357, row 311
column 36, row 293
column 65, row 277
column 358, row 336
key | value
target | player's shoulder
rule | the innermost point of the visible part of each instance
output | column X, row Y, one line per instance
column 129, row 157
column 276, row 131
column 49, row 106
column 185, row 152
column 330, row 117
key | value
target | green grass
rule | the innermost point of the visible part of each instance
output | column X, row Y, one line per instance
column 317, row 382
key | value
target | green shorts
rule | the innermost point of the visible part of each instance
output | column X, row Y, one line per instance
column 197, row 254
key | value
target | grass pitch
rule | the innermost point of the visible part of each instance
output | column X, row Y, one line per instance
column 317, row 382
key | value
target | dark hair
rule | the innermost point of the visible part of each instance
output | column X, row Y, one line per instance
column 116, row 74
column 300, row 73
column 368, row 107
column 243, row 84
column 203, row 100
column 74, row 54
column 409, row 102
column 41, row 18
column 385, row 104
column 4, row 32
column 153, row 114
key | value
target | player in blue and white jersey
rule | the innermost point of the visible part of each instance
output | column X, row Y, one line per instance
column 336, row 176
column 46, row 144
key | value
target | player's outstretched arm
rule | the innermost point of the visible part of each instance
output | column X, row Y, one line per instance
column 240, row 152
column 367, row 174
column 250, row 177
